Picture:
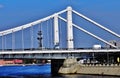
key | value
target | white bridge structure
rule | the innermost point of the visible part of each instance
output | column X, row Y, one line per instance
column 19, row 33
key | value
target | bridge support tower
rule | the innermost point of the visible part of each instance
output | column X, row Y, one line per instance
column 70, row 44
column 56, row 32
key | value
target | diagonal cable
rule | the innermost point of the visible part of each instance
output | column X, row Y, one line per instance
column 89, row 33
column 97, row 24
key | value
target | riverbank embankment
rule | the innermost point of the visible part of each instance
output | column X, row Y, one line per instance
column 99, row 69
column 71, row 66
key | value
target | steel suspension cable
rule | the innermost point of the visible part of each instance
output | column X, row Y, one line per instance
column 2, row 42
column 5, row 43
column 13, row 40
column 51, row 25
column 47, row 34
column 40, row 27
column 31, row 36
column 78, row 27
column 29, row 24
column 60, row 22
column 97, row 24
column 22, row 39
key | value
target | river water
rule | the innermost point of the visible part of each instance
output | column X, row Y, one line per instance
column 37, row 71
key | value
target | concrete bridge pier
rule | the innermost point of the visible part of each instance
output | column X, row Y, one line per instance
column 70, row 65
column 55, row 66
column 64, row 66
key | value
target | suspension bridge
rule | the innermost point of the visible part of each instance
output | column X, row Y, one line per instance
column 20, row 42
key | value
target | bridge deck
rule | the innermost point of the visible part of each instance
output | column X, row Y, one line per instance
column 60, row 51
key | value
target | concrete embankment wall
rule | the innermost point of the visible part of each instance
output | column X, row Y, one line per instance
column 100, row 70
column 70, row 66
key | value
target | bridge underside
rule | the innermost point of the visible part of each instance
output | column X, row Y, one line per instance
column 97, row 55
column 41, row 56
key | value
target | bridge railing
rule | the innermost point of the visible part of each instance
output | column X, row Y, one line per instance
column 32, row 49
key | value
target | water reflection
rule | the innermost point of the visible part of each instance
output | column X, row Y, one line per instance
column 87, row 76
column 63, row 76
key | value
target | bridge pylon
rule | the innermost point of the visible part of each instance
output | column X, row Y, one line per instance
column 56, row 32
column 70, row 44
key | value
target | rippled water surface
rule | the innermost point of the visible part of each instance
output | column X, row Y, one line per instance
column 37, row 71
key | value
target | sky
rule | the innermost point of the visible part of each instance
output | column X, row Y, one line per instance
column 14, row 13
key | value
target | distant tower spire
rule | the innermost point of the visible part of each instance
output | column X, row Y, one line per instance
column 40, row 38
